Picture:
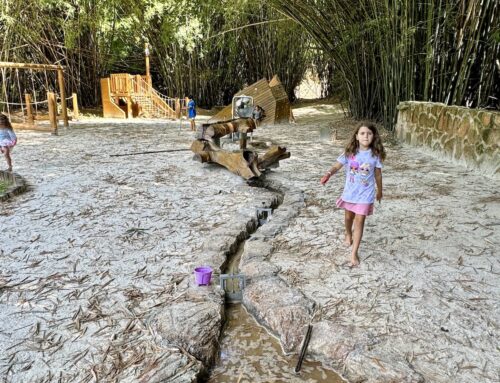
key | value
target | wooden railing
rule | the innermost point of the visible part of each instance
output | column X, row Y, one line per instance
column 120, row 84
column 126, row 85
column 159, row 101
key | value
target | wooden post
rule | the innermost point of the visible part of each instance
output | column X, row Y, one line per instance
column 29, row 109
column 243, row 140
column 62, row 92
column 148, row 75
column 177, row 108
column 76, row 111
column 51, row 98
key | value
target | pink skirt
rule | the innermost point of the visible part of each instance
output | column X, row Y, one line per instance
column 357, row 208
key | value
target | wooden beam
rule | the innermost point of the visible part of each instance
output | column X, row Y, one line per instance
column 76, row 111
column 272, row 157
column 5, row 64
column 62, row 93
column 29, row 110
column 221, row 129
column 51, row 97
column 242, row 163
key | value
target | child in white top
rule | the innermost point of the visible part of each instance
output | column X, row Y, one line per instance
column 362, row 161
column 8, row 139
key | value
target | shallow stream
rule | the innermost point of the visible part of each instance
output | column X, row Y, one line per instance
column 248, row 353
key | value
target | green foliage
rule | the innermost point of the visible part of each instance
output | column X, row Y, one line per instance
column 389, row 51
column 208, row 48
column 4, row 185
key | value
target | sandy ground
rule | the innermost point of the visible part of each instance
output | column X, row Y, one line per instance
column 427, row 290
column 98, row 241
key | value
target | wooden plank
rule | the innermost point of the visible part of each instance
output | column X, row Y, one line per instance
column 62, row 93
column 6, row 64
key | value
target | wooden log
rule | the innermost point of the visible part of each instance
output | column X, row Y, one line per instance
column 62, row 93
column 243, row 140
column 76, row 111
column 221, row 129
column 242, row 163
column 29, row 109
column 272, row 157
column 177, row 108
column 12, row 65
column 51, row 97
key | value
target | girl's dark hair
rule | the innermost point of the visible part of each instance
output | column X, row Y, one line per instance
column 190, row 96
column 376, row 146
column 5, row 122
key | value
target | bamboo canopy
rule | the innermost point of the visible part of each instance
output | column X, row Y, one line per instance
column 384, row 52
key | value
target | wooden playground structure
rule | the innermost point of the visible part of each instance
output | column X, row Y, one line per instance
column 126, row 96
column 31, row 109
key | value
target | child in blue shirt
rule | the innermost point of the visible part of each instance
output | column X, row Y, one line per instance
column 362, row 161
column 191, row 108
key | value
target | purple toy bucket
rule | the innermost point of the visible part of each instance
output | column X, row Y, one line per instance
column 202, row 275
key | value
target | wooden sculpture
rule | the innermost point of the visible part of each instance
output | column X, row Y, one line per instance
column 244, row 162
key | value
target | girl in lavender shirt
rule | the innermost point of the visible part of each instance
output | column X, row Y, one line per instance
column 362, row 161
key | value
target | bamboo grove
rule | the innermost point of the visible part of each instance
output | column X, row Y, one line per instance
column 375, row 52
column 198, row 47
column 386, row 51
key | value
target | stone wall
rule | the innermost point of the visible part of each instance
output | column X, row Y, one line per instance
column 462, row 135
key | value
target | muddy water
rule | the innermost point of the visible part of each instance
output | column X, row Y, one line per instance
column 249, row 354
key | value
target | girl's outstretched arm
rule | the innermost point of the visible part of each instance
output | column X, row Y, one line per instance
column 378, row 180
column 335, row 168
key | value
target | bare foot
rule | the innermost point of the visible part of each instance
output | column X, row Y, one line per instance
column 354, row 260
column 348, row 240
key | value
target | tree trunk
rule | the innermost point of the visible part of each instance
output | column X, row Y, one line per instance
column 242, row 163
column 271, row 158
column 221, row 129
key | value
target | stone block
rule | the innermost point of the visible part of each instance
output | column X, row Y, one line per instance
column 463, row 127
column 447, row 143
column 422, row 120
column 485, row 133
column 468, row 150
column 493, row 138
column 193, row 325
column 427, row 139
column 282, row 309
column 414, row 117
column 259, row 269
column 496, row 120
column 485, row 118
